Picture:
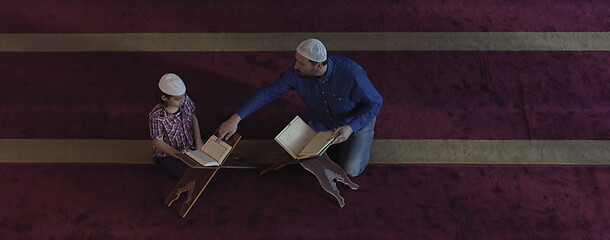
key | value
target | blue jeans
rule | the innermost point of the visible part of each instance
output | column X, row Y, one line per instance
column 173, row 165
column 355, row 152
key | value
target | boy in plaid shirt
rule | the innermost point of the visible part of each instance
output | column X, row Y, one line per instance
column 174, row 128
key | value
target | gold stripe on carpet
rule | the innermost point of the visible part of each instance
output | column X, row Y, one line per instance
column 75, row 151
column 335, row 41
column 568, row 152
column 491, row 151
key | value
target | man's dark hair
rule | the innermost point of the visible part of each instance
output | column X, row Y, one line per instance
column 323, row 63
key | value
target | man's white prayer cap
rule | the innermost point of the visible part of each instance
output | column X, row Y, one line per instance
column 172, row 85
column 313, row 50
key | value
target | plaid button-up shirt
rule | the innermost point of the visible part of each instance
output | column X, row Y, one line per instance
column 176, row 129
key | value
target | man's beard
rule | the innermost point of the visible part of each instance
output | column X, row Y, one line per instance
column 303, row 75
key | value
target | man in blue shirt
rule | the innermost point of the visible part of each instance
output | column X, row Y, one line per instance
column 338, row 93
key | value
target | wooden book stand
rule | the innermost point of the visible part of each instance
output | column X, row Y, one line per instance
column 326, row 171
column 197, row 177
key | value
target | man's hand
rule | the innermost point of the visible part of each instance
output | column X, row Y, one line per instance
column 228, row 128
column 342, row 133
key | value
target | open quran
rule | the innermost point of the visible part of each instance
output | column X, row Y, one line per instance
column 213, row 152
column 301, row 141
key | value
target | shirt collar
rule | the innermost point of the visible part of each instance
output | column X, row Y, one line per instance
column 329, row 70
column 167, row 114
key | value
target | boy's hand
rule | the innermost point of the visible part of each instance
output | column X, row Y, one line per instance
column 199, row 144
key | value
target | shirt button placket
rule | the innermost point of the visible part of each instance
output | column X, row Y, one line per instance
column 325, row 99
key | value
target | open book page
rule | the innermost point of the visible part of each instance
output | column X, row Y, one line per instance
column 295, row 136
column 317, row 145
column 218, row 151
column 202, row 158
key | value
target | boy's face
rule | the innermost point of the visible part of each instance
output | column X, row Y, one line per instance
column 174, row 101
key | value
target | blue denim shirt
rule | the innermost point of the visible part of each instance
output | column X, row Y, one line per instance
column 345, row 95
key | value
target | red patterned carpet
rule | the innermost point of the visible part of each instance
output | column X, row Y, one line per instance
column 429, row 94
column 72, row 16
column 394, row 202
column 479, row 95
column 472, row 95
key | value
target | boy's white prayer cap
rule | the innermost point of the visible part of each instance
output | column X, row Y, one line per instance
column 171, row 84
column 313, row 50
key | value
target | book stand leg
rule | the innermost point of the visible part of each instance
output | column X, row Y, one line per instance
column 328, row 174
column 196, row 179
column 193, row 182
column 326, row 171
